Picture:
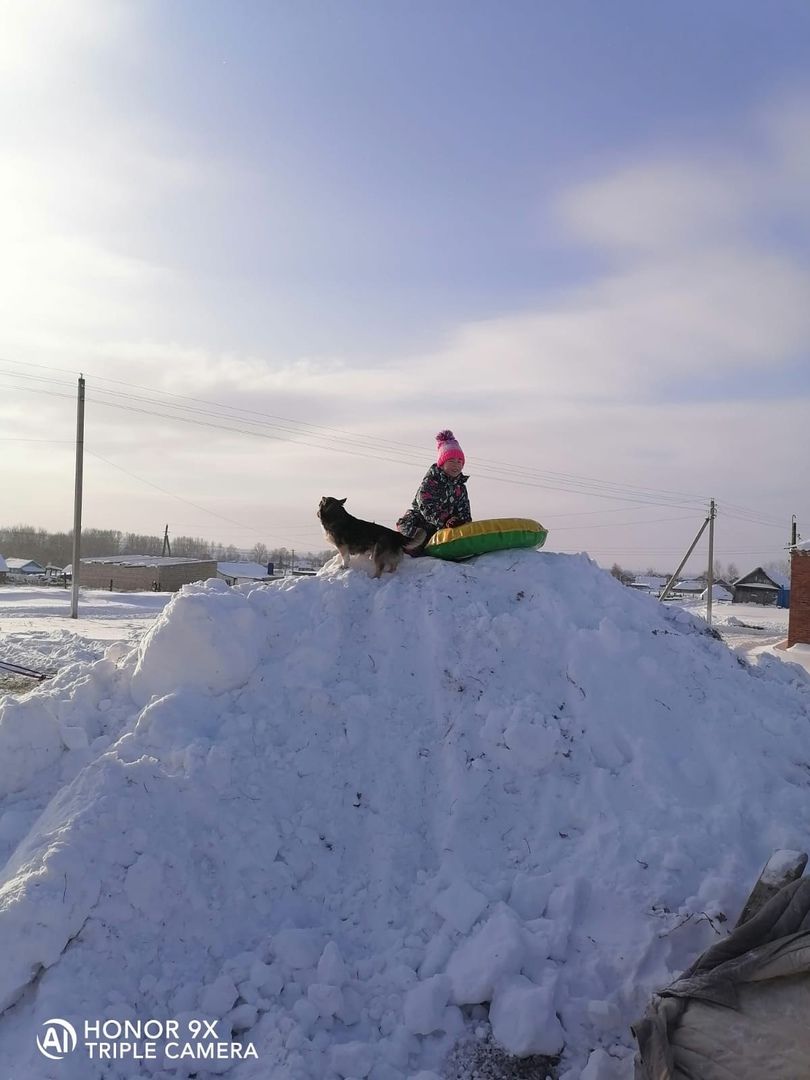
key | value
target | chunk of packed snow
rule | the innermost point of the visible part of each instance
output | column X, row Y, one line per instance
column 524, row 1019
column 460, row 905
column 425, row 1005
column 489, row 955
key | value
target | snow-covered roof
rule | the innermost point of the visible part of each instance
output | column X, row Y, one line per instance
column 249, row 570
column 803, row 546
column 648, row 581
column 141, row 560
column 718, row 593
column 778, row 579
column 688, row 585
column 766, row 586
column 24, row 566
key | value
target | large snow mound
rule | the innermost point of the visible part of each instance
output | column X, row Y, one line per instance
column 355, row 820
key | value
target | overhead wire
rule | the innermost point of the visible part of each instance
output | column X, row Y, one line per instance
column 219, row 420
column 242, row 421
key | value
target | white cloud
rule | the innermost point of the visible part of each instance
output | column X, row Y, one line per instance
column 573, row 385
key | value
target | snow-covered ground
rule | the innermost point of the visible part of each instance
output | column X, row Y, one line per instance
column 36, row 630
column 359, row 823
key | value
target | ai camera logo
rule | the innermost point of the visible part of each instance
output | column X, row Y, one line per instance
column 59, row 1039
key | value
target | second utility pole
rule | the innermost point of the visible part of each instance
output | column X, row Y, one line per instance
column 77, row 500
column 710, row 575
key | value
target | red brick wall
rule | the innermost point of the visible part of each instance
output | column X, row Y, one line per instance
column 799, row 624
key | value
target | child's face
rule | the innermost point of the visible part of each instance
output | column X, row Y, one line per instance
column 453, row 467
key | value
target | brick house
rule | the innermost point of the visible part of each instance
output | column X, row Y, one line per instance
column 799, row 622
column 140, row 573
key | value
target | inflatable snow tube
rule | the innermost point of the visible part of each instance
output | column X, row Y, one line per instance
column 478, row 537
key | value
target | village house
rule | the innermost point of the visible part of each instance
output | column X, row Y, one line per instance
column 759, row 587
column 23, row 569
column 3, row 570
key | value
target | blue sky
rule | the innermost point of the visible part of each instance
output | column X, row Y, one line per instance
column 576, row 233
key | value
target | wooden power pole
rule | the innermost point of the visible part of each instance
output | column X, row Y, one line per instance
column 77, row 500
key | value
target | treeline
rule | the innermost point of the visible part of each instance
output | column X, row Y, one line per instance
column 56, row 549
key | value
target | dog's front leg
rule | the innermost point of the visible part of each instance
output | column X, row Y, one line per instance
column 344, row 554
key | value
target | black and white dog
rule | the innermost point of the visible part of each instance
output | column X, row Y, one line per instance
column 353, row 536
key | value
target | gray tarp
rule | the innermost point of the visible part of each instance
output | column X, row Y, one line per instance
column 742, row 1011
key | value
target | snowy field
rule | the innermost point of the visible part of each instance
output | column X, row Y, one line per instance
column 36, row 630
column 370, row 828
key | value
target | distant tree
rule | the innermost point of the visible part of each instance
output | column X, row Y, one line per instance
column 191, row 547
column 621, row 575
column 732, row 573
column 281, row 558
column 138, row 544
column 260, row 554
column 44, row 547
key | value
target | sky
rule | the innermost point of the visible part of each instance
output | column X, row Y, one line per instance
column 288, row 243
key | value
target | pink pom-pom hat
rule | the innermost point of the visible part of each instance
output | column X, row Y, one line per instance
column 448, row 448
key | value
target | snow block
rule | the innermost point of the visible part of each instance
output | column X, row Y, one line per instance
column 352, row 1059
column 492, row 953
column 331, row 967
column 530, row 893
column 523, row 1018
column 425, row 1004
column 460, row 905
column 297, row 949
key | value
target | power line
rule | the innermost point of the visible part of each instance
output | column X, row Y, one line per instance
column 566, row 483
column 219, row 416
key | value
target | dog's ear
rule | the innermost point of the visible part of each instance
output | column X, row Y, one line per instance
column 341, row 501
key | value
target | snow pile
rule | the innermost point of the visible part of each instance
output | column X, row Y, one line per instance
column 357, row 822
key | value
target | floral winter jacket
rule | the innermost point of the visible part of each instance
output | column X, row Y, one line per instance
column 441, row 501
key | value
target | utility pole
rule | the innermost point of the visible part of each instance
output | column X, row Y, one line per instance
column 674, row 577
column 167, row 547
column 710, row 578
column 77, row 500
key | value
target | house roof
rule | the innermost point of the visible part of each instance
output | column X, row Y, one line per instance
column 689, row 585
column 779, row 581
column 251, row 570
column 718, row 593
column 25, row 566
column 140, row 560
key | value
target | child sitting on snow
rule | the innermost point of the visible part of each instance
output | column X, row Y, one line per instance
column 441, row 501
